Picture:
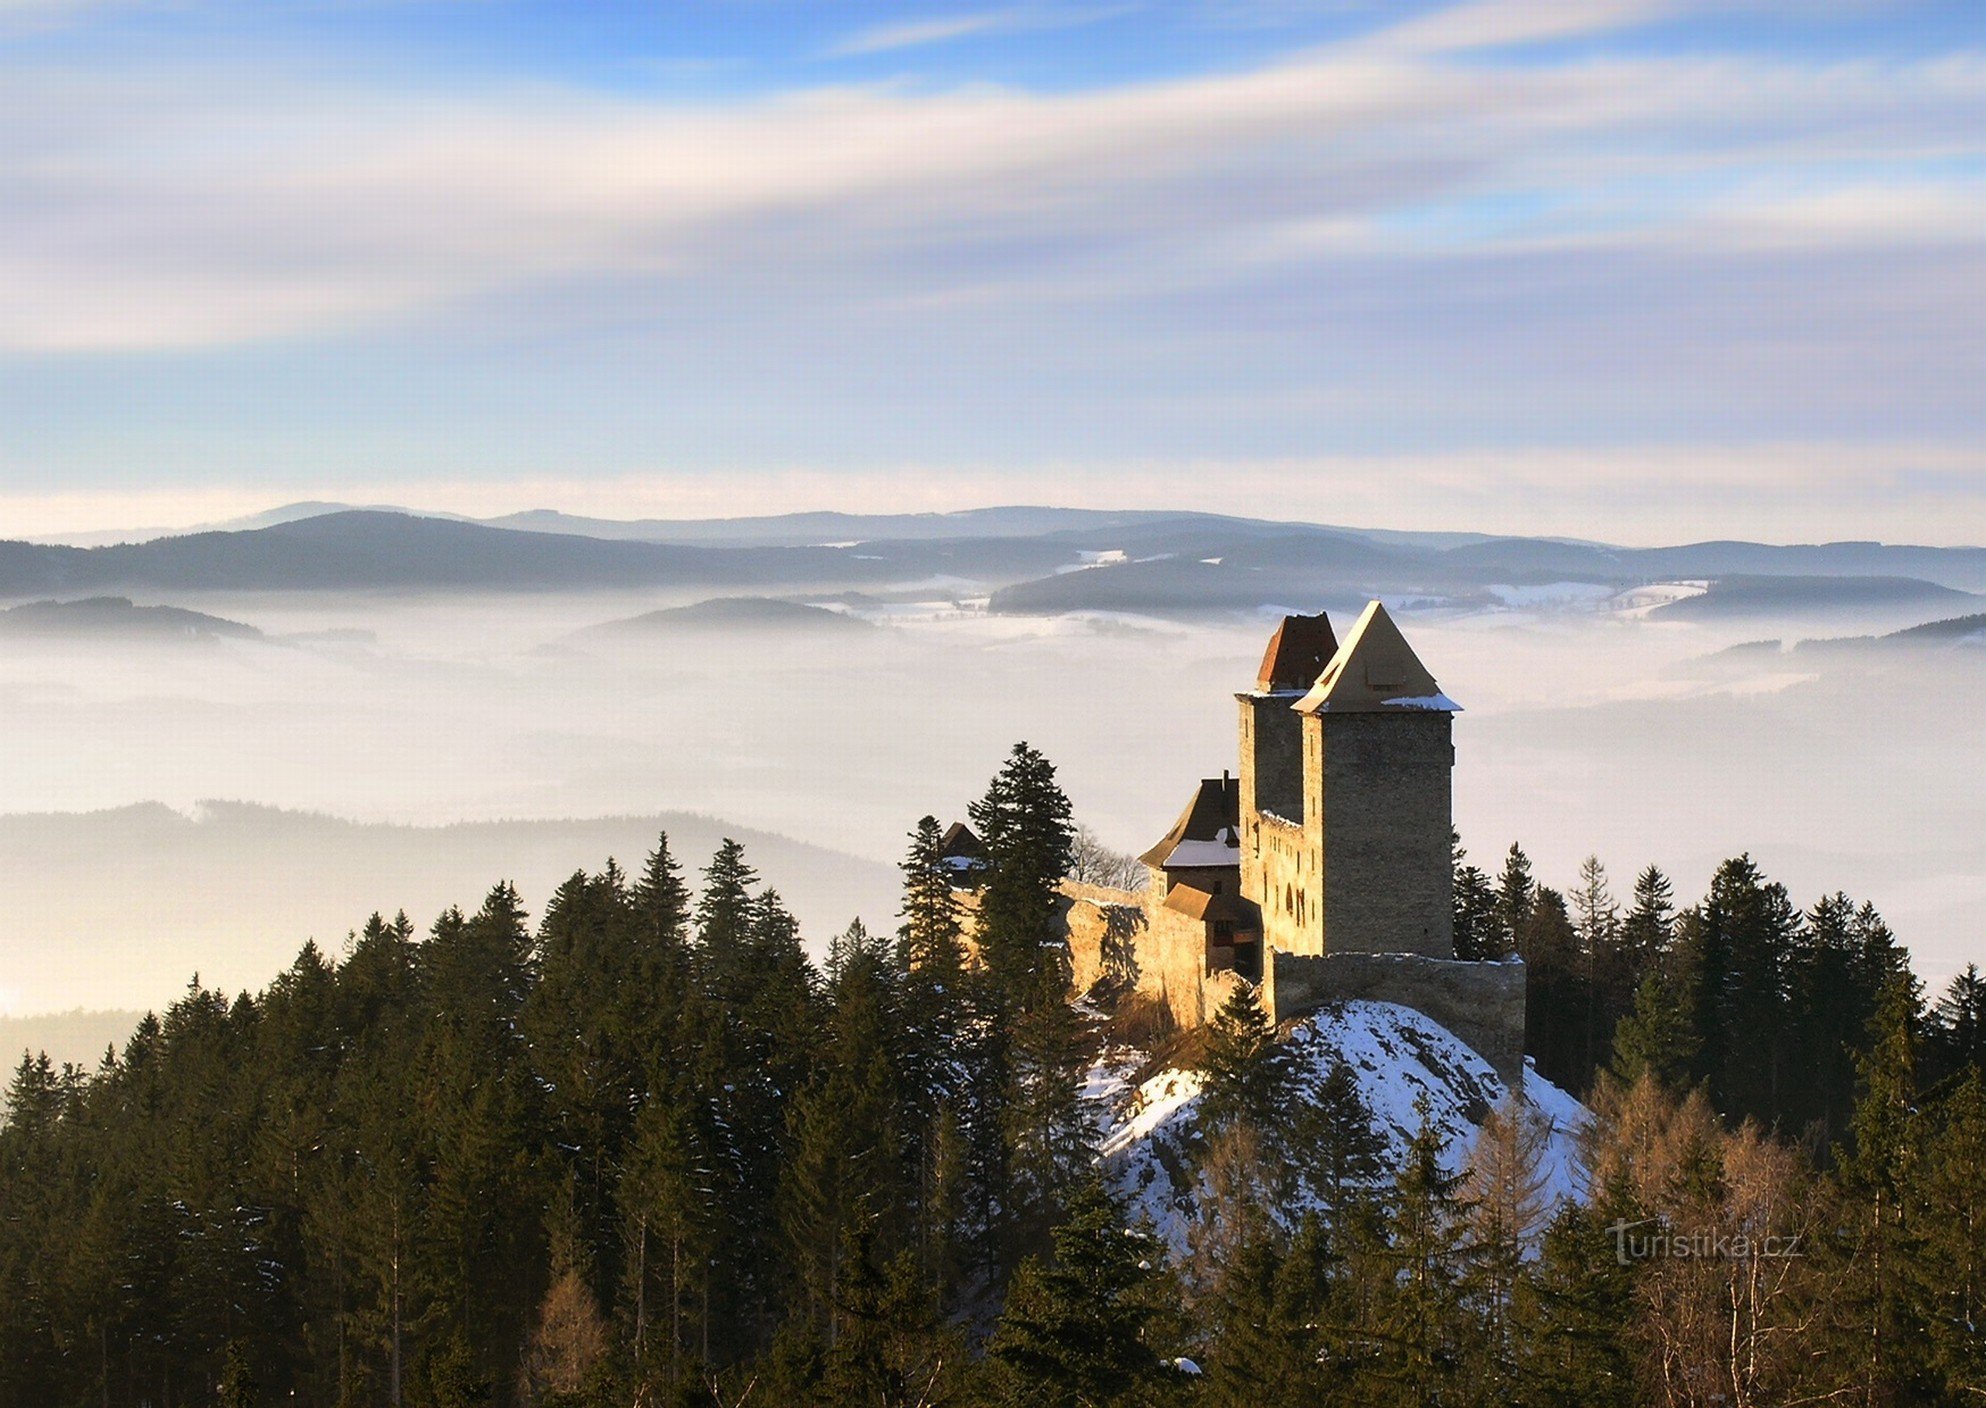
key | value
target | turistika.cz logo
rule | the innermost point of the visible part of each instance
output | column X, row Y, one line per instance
column 1665, row 1243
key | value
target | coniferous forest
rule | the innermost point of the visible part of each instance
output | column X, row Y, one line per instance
column 638, row 1149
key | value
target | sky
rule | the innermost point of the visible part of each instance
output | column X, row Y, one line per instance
column 1636, row 270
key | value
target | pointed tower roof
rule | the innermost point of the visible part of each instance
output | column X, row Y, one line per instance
column 1297, row 654
column 1375, row 671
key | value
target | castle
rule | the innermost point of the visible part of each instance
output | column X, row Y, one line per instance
column 1323, row 872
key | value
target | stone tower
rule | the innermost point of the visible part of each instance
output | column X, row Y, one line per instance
column 1345, row 794
column 1272, row 786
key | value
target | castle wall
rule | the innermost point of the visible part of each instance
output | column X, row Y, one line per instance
column 1140, row 947
column 1384, row 825
column 1290, row 875
column 1481, row 1003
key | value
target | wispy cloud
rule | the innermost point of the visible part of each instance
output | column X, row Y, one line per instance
column 946, row 29
column 162, row 211
column 913, row 34
column 1405, row 235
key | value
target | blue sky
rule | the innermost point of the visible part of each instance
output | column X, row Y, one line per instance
column 1630, row 269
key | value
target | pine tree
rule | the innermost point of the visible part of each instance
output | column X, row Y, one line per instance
column 1657, row 1038
column 1956, row 1033
column 1945, row 1279
column 1023, row 822
column 1516, row 893
column 1074, row 1330
column 1419, row 1313
column 1477, row 934
column 1335, row 1145
column 1251, row 1078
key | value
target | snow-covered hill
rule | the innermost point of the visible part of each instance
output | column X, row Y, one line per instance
column 1397, row 1056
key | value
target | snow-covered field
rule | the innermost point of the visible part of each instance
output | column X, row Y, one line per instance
column 1397, row 1055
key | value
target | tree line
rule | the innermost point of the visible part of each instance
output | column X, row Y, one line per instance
column 644, row 1151
column 1767, row 1006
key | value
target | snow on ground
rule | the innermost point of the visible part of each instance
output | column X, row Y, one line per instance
column 1587, row 596
column 1397, row 1055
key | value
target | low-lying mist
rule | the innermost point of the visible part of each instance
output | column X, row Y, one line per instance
column 1584, row 731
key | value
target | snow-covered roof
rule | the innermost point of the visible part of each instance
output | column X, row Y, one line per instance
column 1375, row 671
column 1208, row 832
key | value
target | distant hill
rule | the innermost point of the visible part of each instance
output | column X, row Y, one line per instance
column 78, row 1037
column 1738, row 598
column 1020, row 550
column 1959, row 630
column 740, row 614
column 137, row 899
column 370, row 550
column 1173, row 587
column 100, row 616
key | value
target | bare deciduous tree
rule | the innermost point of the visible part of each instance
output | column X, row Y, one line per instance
column 1093, row 863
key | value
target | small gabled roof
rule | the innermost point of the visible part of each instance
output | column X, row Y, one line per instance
column 961, row 856
column 1297, row 655
column 1375, row 671
column 958, row 841
column 1208, row 832
column 1199, row 904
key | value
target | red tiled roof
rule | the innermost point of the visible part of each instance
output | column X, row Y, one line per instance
column 1297, row 654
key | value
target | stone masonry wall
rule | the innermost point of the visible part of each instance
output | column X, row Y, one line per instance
column 1271, row 772
column 1139, row 946
column 1386, row 815
column 1290, row 884
column 1481, row 1003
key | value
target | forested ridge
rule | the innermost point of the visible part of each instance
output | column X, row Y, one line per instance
column 643, row 1151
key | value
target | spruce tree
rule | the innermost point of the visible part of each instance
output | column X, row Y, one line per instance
column 1649, row 927
column 1748, row 930
column 1251, row 1078
column 1516, row 893
column 1475, row 923
column 1420, row 1312
column 1555, row 1005
column 1073, row 1333
column 1573, row 1310
column 670, row 1210
column 1945, row 1278
column 1334, row 1143
column 1877, row 1176
column 1657, row 1038
column 1956, row 1032
column 1024, row 823
column 724, row 920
